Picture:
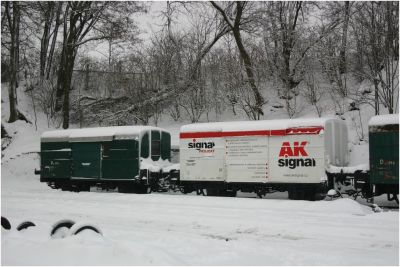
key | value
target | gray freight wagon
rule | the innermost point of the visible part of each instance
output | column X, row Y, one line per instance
column 129, row 158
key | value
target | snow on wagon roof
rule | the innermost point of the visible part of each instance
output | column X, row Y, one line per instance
column 384, row 120
column 255, row 125
column 95, row 134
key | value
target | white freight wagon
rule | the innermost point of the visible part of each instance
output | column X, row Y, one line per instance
column 262, row 156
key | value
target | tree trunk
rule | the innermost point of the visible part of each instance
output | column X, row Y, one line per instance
column 342, row 55
column 69, row 68
column 257, row 108
column 61, row 71
column 44, row 45
column 250, row 75
column 53, row 42
column 18, row 19
column 14, row 29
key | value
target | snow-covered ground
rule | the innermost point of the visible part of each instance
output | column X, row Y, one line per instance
column 166, row 229
column 176, row 229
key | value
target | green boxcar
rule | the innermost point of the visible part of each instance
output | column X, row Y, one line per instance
column 104, row 155
column 384, row 153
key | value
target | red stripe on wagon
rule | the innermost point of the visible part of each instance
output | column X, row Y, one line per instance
column 223, row 134
column 308, row 130
column 291, row 131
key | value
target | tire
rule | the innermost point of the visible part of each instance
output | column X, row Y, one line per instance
column 80, row 227
column 60, row 229
column 5, row 223
column 25, row 225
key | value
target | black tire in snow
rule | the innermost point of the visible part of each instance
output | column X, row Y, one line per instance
column 5, row 223
column 25, row 225
column 79, row 227
column 59, row 226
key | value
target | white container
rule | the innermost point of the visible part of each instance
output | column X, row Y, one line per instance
column 273, row 151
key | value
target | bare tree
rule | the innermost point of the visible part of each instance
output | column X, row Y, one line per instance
column 377, row 33
column 48, row 16
column 343, row 47
column 235, row 27
column 12, row 12
column 313, row 93
column 82, row 18
column 168, row 94
column 288, row 39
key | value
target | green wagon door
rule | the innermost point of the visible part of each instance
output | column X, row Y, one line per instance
column 55, row 160
column 86, row 160
column 120, row 159
column 384, row 154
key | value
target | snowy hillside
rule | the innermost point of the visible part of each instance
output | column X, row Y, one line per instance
column 175, row 229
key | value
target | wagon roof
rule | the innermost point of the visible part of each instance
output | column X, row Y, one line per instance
column 255, row 125
column 380, row 120
column 95, row 134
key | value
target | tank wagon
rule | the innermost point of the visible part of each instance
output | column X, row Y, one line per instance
column 262, row 156
column 123, row 157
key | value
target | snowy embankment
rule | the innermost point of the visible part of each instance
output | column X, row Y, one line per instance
column 176, row 229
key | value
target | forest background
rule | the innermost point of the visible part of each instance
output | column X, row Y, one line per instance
column 93, row 63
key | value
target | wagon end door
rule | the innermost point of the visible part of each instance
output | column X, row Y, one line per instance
column 55, row 160
column 120, row 159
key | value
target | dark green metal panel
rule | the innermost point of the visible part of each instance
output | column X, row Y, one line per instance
column 155, row 145
column 120, row 159
column 86, row 160
column 144, row 146
column 55, row 160
column 54, row 146
column 384, row 154
column 165, row 146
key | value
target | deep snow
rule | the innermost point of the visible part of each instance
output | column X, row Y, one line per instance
column 176, row 229
column 167, row 229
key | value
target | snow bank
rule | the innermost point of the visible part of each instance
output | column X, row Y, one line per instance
column 157, row 166
column 384, row 120
column 351, row 169
column 33, row 246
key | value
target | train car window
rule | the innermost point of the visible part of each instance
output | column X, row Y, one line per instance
column 105, row 150
column 144, row 153
column 155, row 148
